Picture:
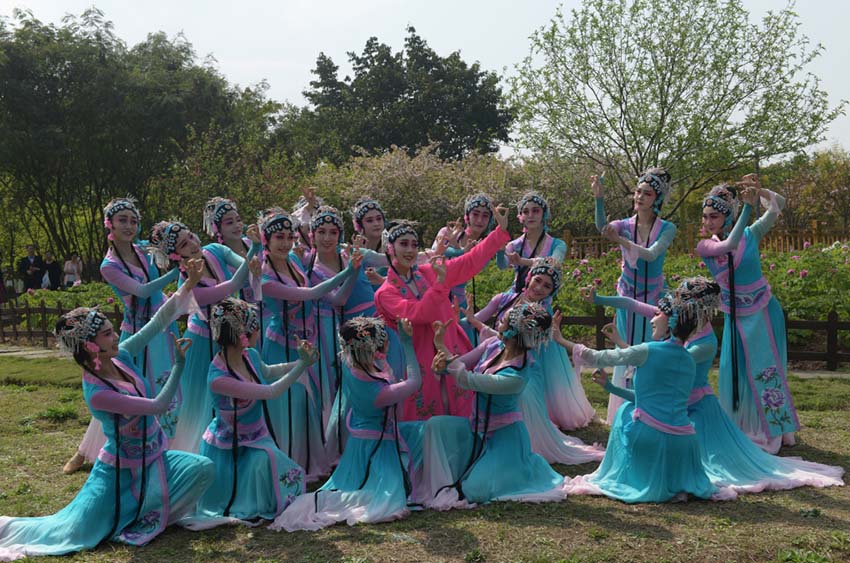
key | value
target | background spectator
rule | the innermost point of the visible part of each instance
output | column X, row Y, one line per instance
column 31, row 269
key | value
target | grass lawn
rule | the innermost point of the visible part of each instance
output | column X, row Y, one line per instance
column 43, row 419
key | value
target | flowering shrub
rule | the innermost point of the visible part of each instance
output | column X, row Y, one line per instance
column 808, row 284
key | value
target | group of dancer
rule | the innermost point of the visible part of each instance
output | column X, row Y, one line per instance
column 370, row 365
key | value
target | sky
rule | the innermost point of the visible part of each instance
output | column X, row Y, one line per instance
column 278, row 41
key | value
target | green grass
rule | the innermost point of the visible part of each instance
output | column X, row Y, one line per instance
column 803, row 525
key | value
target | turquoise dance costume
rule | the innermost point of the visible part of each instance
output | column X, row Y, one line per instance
column 759, row 402
column 653, row 453
column 379, row 469
column 487, row 457
column 105, row 508
column 257, row 480
column 642, row 278
column 140, row 291
column 561, row 388
column 297, row 415
column 197, row 407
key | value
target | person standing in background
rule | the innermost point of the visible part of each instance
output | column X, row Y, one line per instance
column 31, row 269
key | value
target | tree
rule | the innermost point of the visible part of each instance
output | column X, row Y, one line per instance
column 83, row 119
column 409, row 98
column 690, row 85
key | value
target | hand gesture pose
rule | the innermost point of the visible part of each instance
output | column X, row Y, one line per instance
column 194, row 269
column 181, row 345
column 596, row 185
column 438, row 265
column 440, row 335
column 600, row 377
column 253, row 233
column 500, row 214
column 307, row 353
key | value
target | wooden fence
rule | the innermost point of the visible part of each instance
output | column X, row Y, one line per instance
column 35, row 323
column 688, row 236
column 37, row 329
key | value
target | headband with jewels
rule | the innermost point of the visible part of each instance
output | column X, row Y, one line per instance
column 476, row 201
column 163, row 242
column 237, row 317
column 360, row 338
column 81, row 325
column 659, row 180
column 722, row 198
column 531, row 323
column 327, row 215
column 275, row 220
column 214, row 211
column 551, row 267
column 364, row 206
column 695, row 300
column 400, row 229
column 120, row 204
column 533, row 197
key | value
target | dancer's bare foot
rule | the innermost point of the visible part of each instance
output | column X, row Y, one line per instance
column 74, row 464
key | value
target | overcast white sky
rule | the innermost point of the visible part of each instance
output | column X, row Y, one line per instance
column 279, row 40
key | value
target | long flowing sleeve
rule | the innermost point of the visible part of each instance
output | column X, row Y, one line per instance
column 397, row 392
column 775, row 204
column 599, row 214
column 425, row 311
column 339, row 296
column 178, row 304
column 114, row 402
column 211, row 295
column 278, row 290
column 372, row 259
column 702, row 352
column 626, row 394
column 113, row 274
column 489, row 310
column 711, row 247
column 506, row 383
column 246, row 390
column 632, row 356
column 559, row 250
column 463, row 268
column 626, row 303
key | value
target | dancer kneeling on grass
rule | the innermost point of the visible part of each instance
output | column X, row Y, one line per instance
column 653, row 454
column 492, row 460
column 254, row 479
column 728, row 455
column 558, row 386
column 137, row 486
column 374, row 479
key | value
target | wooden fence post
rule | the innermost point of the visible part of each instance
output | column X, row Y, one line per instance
column 832, row 341
column 43, row 326
column 600, row 322
column 29, row 322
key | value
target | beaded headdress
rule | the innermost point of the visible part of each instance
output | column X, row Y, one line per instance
column 81, row 325
column 361, row 338
column 722, row 199
column 163, row 242
column 476, row 201
column 533, row 197
column 398, row 229
column 327, row 215
column 214, row 211
column 364, row 206
column 530, row 323
column 549, row 266
column 117, row 205
column 659, row 180
column 275, row 220
column 694, row 301
column 237, row 317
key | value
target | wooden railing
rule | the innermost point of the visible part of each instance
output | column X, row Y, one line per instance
column 35, row 323
column 32, row 325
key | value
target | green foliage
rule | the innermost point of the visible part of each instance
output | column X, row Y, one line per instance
column 409, row 98
column 693, row 86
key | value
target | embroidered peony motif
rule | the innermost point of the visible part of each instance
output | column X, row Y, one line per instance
column 773, row 398
column 294, row 476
